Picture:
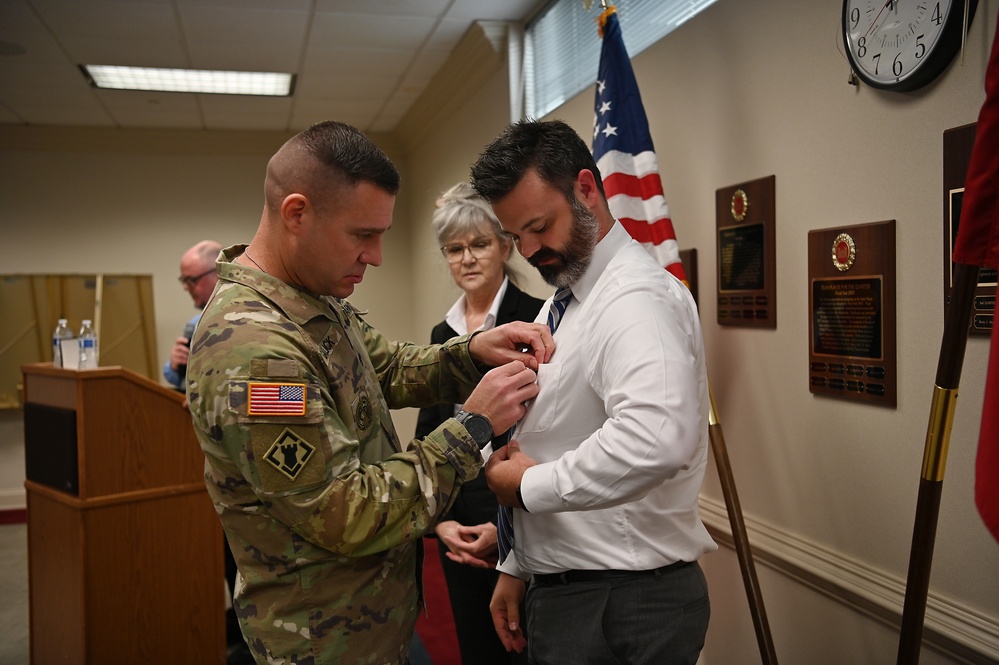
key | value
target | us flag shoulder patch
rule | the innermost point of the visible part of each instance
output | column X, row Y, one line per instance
column 276, row 399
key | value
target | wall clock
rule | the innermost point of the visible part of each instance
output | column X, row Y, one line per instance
column 902, row 45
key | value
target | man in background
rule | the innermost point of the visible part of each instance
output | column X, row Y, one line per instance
column 607, row 463
column 198, row 277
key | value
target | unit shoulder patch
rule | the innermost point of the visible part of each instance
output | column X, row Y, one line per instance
column 289, row 454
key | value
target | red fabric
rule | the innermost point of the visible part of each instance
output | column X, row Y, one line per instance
column 436, row 626
column 14, row 516
column 978, row 244
column 977, row 241
column 987, row 463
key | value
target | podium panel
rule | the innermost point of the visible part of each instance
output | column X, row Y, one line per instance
column 129, row 568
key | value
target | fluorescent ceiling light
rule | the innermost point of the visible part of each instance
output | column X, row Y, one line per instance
column 276, row 84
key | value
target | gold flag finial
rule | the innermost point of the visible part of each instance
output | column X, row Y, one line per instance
column 602, row 20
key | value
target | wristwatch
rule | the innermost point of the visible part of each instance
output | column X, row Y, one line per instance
column 478, row 426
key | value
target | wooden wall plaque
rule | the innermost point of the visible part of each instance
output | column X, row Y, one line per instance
column 957, row 146
column 747, row 270
column 851, row 306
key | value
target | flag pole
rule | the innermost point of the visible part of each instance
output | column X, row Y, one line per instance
column 623, row 150
column 740, row 538
column 949, row 365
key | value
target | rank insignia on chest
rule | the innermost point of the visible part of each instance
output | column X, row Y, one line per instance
column 276, row 399
column 362, row 413
column 289, row 453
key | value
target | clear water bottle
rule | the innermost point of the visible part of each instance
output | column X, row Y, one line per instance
column 62, row 332
column 88, row 346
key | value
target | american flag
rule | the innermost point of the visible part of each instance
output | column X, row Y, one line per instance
column 277, row 399
column 623, row 150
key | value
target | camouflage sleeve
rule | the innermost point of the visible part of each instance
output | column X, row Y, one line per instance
column 413, row 375
column 311, row 455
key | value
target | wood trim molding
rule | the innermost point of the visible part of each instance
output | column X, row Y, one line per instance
column 951, row 627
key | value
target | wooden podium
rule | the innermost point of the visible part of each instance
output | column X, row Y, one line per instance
column 124, row 548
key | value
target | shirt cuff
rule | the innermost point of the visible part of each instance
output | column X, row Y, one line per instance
column 537, row 489
column 510, row 567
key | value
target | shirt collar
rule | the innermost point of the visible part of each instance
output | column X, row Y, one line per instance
column 297, row 304
column 616, row 239
column 456, row 315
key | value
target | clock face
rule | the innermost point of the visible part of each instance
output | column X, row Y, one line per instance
column 903, row 44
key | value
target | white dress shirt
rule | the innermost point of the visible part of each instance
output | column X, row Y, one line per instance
column 620, row 426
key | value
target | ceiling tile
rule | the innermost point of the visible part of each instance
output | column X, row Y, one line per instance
column 107, row 19
column 275, row 57
column 350, row 61
column 379, row 32
column 431, row 8
column 241, row 112
column 132, row 51
column 84, row 116
column 491, row 10
column 249, row 28
column 20, row 25
column 286, row 5
column 354, row 86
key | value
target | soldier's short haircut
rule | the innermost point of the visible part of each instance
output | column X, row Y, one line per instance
column 350, row 154
column 551, row 147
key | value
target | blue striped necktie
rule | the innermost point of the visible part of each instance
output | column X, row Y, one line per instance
column 504, row 520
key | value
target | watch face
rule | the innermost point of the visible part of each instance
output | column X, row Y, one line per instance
column 478, row 427
column 903, row 44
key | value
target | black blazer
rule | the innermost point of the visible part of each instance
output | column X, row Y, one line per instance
column 475, row 503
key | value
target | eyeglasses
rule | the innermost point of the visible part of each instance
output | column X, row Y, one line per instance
column 455, row 252
column 188, row 281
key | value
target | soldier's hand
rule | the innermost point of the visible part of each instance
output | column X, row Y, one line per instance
column 530, row 343
column 501, row 394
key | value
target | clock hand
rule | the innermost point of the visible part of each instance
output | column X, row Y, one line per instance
column 888, row 3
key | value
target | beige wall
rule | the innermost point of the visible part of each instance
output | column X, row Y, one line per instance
column 744, row 90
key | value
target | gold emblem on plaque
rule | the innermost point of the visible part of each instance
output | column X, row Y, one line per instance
column 844, row 251
column 740, row 204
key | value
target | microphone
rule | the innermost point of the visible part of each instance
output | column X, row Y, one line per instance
column 188, row 333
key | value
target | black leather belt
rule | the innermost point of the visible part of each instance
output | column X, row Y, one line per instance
column 583, row 576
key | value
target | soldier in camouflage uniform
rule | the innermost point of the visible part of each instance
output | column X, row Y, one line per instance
column 290, row 392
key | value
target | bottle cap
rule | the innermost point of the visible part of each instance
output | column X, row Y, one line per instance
column 86, row 322
column 63, row 322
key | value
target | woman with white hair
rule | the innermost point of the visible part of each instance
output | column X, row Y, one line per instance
column 477, row 253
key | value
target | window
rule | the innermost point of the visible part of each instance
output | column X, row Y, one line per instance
column 562, row 45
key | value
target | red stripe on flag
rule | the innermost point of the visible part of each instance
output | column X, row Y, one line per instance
column 629, row 185
column 676, row 269
column 655, row 232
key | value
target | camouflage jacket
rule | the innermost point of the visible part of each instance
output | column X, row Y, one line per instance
column 290, row 395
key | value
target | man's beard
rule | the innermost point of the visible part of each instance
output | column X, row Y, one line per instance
column 573, row 259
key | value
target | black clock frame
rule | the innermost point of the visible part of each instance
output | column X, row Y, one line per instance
column 936, row 59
